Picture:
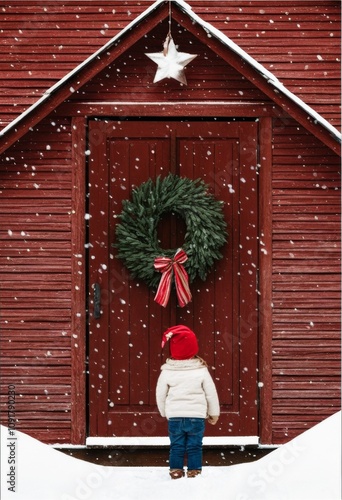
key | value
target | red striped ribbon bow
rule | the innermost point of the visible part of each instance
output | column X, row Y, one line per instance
column 169, row 267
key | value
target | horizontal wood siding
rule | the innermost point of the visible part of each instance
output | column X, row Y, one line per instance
column 131, row 76
column 306, row 281
column 299, row 41
column 35, row 283
column 40, row 42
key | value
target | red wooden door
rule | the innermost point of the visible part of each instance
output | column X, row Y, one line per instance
column 124, row 342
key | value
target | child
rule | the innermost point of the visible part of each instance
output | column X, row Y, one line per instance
column 186, row 396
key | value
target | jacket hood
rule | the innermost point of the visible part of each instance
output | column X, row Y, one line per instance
column 183, row 364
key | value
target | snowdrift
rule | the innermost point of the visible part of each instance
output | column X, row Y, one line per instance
column 306, row 468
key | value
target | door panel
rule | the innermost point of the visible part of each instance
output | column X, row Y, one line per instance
column 124, row 343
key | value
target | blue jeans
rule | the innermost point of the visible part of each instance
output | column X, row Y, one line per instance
column 186, row 435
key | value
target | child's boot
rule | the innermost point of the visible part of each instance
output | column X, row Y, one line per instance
column 176, row 473
column 194, row 472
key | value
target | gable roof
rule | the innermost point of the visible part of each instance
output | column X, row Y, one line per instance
column 227, row 49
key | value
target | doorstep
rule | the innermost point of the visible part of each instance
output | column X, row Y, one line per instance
column 148, row 457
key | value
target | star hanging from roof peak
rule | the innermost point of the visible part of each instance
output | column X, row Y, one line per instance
column 171, row 63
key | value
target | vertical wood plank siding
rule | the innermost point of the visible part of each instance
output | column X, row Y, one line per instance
column 306, row 281
column 35, row 257
column 299, row 41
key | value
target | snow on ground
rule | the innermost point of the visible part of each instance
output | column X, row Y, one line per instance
column 306, row 468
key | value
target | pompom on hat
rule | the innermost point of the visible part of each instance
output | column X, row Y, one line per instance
column 183, row 342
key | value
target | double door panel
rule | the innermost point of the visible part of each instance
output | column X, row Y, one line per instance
column 125, row 340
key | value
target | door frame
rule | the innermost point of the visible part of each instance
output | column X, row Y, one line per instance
column 233, row 348
column 79, row 265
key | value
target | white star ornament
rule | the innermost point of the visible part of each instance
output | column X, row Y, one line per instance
column 171, row 63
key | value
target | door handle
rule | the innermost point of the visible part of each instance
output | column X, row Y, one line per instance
column 97, row 300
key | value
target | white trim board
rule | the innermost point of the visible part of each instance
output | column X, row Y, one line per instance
column 164, row 441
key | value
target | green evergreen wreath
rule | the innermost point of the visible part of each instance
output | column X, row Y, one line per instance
column 136, row 233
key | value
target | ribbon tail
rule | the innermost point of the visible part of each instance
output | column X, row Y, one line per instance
column 164, row 289
column 182, row 285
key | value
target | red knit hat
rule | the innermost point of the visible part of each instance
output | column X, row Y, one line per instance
column 183, row 342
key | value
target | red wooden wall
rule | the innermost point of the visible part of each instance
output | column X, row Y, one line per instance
column 36, row 280
column 305, row 281
column 297, row 40
column 130, row 77
column 37, row 265
column 41, row 175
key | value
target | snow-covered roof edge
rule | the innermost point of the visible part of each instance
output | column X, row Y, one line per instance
column 80, row 66
column 210, row 29
column 270, row 77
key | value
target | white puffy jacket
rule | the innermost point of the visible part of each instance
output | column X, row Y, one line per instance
column 185, row 389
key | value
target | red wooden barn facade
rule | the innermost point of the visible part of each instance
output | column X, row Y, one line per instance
column 82, row 124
